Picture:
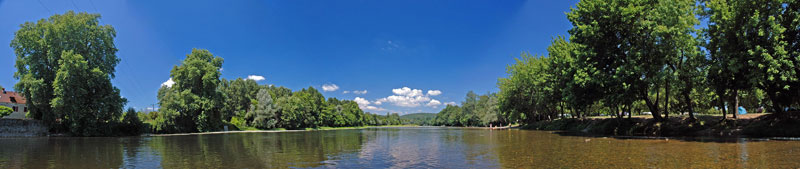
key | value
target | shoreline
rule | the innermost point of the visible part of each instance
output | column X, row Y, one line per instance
column 276, row 130
column 765, row 126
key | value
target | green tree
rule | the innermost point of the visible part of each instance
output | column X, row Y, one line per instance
column 131, row 123
column 449, row 116
column 754, row 44
column 302, row 109
column 238, row 94
column 193, row 103
column 5, row 111
column 264, row 112
column 91, row 105
column 39, row 47
column 524, row 95
column 631, row 48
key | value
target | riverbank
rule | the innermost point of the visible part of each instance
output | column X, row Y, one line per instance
column 705, row 126
column 277, row 130
column 22, row 128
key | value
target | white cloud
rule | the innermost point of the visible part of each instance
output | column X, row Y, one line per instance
column 330, row 87
column 450, row 103
column 356, row 92
column 361, row 101
column 373, row 108
column 408, row 97
column 433, row 103
column 256, row 77
column 405, row 101
column 405, row 91
column 360, row 92
column 364, row 104
column 168, row 83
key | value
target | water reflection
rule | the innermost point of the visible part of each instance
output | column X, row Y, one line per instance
column 394, row 148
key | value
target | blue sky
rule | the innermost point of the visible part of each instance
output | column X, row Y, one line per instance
column 408, row 55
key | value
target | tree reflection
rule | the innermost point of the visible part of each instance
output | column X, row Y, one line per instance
column 256, row 150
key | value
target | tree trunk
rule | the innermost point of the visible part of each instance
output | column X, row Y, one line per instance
column 666, row 99
column 723, row 107
column 778, row 108
column 630, row 107
column 653, row 106
column 689, row 105
column 561, row 109
column 736, row 103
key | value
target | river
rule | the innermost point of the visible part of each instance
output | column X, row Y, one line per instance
column 409, row 147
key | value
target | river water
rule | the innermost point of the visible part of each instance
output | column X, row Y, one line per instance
column 414, row 147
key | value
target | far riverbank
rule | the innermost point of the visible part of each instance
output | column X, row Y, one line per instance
column 279, row 130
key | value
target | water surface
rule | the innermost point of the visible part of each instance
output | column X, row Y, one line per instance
column 394, row 148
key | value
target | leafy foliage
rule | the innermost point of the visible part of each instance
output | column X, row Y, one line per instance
column 64, row 65
column 5, row 111
column 193, row 103
column 86, row 97
column 263, row 113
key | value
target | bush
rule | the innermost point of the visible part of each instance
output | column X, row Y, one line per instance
column 131, row 124
column 5, row 111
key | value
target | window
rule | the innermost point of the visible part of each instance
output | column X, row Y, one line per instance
column 25, row 108
column 15, row 108
column 13, row 100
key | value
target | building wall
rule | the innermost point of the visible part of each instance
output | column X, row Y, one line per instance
column 19, row 114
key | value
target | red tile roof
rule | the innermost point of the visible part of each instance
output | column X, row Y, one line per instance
column 5, row 97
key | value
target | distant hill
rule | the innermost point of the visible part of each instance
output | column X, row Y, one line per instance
column 422, row 119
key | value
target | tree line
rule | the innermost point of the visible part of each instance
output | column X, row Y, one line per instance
column 625, row 56
column 475, row 110
column 65, row 64
column 200, row 101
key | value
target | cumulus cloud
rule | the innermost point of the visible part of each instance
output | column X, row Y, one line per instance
column 364, row 104
column 405, row 91
column 373, row 108
column 434, row 92
column 256, row 77
column 377, row 102
column 345, row 92
column 361, row 101
column 408, row 97
column 433, row 103
column 329, row 87
column 168, row 83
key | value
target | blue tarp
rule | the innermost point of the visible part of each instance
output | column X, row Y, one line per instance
column 742, row 111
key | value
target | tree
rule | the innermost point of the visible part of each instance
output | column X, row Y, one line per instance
column 131, row 123
column 5, row 111
column 238, row 94
column 89, row 103
column 302, row 109
column 449, row 116
column 754, row 44
column 264, row 112
column 193, row 103
column 40, row 47
column 525, row 95
column 631, row 48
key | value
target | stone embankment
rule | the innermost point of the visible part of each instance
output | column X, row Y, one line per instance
column 22, row 128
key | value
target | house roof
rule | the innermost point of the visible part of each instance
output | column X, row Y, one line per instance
column 11, row 97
